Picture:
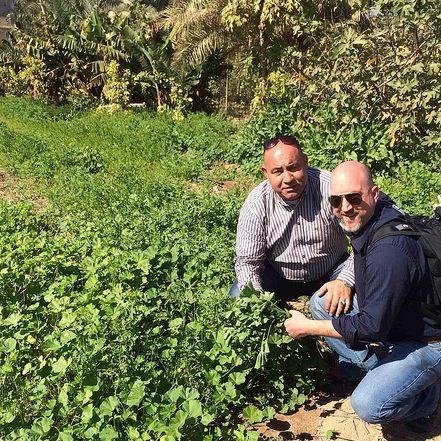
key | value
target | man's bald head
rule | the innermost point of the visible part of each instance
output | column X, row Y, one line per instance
column 352, row 173
column 353, row 195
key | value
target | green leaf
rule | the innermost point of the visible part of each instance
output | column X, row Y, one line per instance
column 67, row 336
column 63, row 398
column 9, row 345
column 91, row 432
column 91, row 382
column 8, row 417
column 193, row 408
column 108, row 406
column 178, row 420
column 269, row 412
column 133, row 433
column 60, row 366
column 301, row 399
column 136, row 393
column 65, row 436
column 230, row 390
column 91, row 282
column 108, row 434
column 13, row 319
column 87, row 414
column 252, row 414
column 51, row 345
column 207, row 418
column 331, row 433
column 174, row 394
column 237, row 377
column 42, row 426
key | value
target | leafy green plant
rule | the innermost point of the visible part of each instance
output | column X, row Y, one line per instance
column 331, row 434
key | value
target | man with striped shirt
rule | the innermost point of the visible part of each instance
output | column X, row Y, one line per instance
column 288, row 240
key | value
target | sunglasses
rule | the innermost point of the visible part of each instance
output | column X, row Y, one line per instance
column 352, row 198
column 272, row 142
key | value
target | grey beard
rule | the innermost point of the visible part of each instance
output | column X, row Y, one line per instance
column 350, row 230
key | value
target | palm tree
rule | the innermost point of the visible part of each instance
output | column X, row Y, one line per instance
column 196, row 30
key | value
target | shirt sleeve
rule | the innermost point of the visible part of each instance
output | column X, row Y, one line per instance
column 250, row 249
column 346, row 272
column 389, row 274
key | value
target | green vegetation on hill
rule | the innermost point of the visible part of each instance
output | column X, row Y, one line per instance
column 115, row 320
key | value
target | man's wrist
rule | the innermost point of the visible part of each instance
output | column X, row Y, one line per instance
column 346, row 283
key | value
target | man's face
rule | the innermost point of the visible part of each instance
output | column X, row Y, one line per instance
column 285, row 168
column 357, row 202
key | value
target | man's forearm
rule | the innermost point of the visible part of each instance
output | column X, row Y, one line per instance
column 322, row 328
column 298, row 326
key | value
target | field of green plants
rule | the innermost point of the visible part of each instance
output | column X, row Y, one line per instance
column 115, row 320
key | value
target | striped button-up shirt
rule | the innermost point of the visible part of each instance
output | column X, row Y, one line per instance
column 303, row 240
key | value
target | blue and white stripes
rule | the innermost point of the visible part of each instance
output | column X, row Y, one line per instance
column 302, row 240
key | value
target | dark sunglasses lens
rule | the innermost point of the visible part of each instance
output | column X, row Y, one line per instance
column 289, row 140
column 270, row 143
column 335, row 201
column 354, row 198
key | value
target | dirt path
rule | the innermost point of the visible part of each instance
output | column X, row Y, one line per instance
column 13, row 189
column 326, row 417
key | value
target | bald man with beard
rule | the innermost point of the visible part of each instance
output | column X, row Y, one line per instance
column 403, row 384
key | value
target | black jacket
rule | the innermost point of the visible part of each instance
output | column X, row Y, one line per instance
column 388, row 273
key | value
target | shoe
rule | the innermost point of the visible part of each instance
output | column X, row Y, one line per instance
column 425, row 425
column 421, row 425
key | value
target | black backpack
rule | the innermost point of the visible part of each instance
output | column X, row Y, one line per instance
column 428, row 230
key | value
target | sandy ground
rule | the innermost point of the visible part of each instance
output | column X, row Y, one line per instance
column 325, row 417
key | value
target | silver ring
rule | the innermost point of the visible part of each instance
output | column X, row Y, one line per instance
column 342, row 302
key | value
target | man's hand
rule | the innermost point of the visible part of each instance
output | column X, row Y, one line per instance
column 296, row 325
column 338, row 299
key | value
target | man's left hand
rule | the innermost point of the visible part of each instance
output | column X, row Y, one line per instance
column 296, row 325
column 338, row 299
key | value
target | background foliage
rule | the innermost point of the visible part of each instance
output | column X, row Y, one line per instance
column 363, row 73
column 115, row 321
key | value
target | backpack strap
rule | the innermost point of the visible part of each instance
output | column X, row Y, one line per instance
column 430, row 311
column 393, row 228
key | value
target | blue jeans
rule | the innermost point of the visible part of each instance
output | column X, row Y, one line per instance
column 401, row 386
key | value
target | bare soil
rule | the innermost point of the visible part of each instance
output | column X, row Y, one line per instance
column 13, row 190
column 325, row 417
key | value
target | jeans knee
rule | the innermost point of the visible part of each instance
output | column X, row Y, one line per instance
column 317, row 307
column 365, row 407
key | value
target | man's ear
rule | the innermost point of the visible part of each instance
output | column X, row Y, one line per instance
column 264, row 171
column 375, row 192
